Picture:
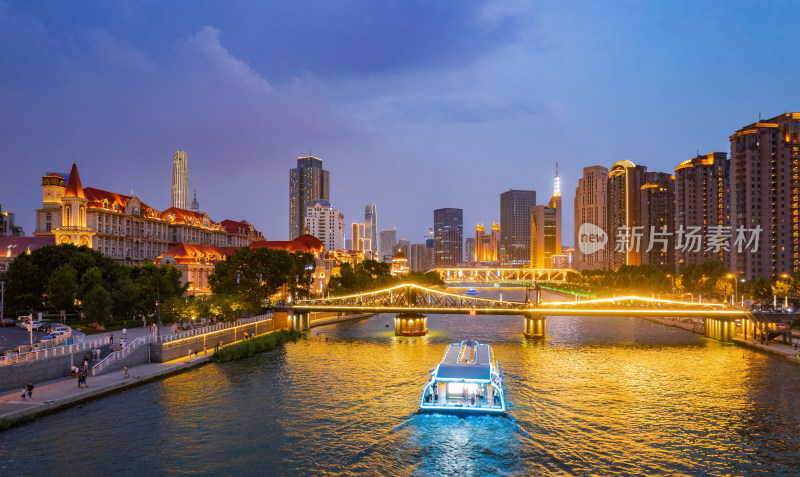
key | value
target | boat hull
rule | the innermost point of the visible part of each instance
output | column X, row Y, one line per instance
column 428, row 408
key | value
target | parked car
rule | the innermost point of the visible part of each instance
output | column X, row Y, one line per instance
column 37, row 325
column 56, row 334
column 7, row 322
column 46, row 340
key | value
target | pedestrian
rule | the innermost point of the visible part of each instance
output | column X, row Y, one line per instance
column 111, row 339
column 205, row 351
column 30, row 389
column 97, row 351
column 190, row 355
column 24, row 391
column 195, row 353
column 124, row 333
column 126, row 372
column 219, row 343
column 85, row 365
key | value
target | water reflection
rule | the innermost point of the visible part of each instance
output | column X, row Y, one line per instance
column 608, row 396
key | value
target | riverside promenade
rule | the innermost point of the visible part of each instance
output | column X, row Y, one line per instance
column 775, row 347
column 61, row 393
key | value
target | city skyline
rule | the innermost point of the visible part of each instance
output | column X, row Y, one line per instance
column 428, row 102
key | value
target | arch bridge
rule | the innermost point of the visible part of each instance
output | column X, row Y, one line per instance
column 412, row 303
column 505, row 275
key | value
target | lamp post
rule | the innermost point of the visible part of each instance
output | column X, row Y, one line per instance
column 735, row 288
column 158, row 310
column 671, row 283
column 786, row 296
column 2, row 299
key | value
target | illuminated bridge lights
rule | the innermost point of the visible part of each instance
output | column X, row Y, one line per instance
column 406, row 297
column 505, row 275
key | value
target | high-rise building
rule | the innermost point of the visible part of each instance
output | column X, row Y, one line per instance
column 418, row 261
column 546, row 229
column 325, row 223
column 180, row 181
column 515, row 227
column 765, row 197
column 487, row 246
column 625, row 180
column 388, row 239
column 657, row 198
column 308, row 182
column 469, row 249
column 371, row 229
column 7, row 227
column 357, row 238
column 404, row 246
column 701, row 201
column 448, row 237
column 429, row 249
column 590, row 212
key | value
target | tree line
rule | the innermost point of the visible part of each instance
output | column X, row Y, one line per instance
column 707, row 279
column 81, row 280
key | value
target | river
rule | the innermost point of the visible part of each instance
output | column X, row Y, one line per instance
column 607, row 396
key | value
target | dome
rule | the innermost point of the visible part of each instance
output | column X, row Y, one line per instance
column 619, row 167
column 312, row 244
column 399, row 256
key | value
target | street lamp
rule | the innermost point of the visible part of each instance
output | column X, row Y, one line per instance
column 735, row 288
column 671, row 283
column 785, row 276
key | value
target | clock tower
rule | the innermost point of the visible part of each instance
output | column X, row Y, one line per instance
column 73, row 227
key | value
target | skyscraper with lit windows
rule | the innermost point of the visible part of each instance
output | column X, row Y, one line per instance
column 180, row 181
column 308, row 182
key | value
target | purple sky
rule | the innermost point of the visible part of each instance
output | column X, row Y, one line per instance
column 411, row 105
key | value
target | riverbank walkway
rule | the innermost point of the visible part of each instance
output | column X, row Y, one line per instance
column 62, row 393
column 774, row 347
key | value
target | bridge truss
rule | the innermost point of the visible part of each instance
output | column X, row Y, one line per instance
column 411, row 298
column 505, row 275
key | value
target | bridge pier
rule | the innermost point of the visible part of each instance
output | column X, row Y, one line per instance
column 535, row 326
column 410, row 324
column 301, row 321
column 722, row 329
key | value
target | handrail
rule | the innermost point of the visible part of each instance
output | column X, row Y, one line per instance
column 116, row 355
column 44, row 353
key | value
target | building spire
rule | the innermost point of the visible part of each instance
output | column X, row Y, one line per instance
column 557, row 183
column 74, row 187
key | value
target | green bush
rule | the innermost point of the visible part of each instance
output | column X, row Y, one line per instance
column 245, row 349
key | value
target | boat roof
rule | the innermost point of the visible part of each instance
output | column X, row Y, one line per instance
column 466, row 360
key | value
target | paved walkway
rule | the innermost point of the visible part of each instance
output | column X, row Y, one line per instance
column 775, row 347
column 64, row 392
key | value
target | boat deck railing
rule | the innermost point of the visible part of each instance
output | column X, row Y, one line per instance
column 456, row 402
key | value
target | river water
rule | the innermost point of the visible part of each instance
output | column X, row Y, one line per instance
column 605, row 396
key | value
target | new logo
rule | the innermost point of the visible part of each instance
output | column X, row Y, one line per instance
column 591, row 238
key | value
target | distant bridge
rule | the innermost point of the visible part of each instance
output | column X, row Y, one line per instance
column 505, row 275
column 412, row 303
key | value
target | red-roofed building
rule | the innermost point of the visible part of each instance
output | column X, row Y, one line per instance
column 196, row 262
column 241, row 233
column 119, row 226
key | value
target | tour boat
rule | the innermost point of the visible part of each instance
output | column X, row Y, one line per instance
column 467, row 381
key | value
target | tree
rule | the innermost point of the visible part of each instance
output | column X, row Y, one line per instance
column 762, row 289
column 97, row 304
column 782, row 288
column 62, row 288
column 723, row 288
column 250, row 276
